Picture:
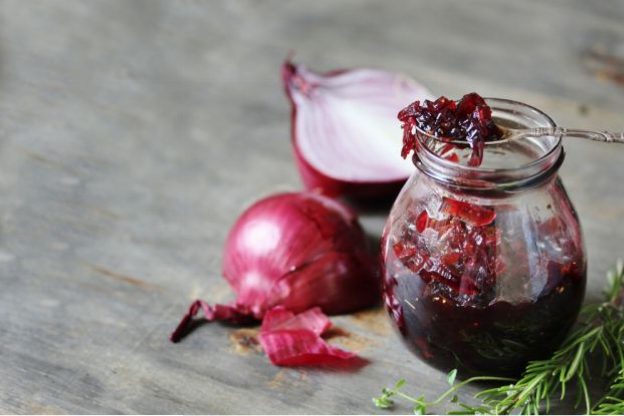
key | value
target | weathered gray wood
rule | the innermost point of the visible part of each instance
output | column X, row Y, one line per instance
column 133, row 133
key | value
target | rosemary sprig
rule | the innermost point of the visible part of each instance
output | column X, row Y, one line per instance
column 420, row 405
column 600, row 333
column 613, row 402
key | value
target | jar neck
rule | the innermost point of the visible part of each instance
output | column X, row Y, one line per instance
column 490, row 181
column 509, row 166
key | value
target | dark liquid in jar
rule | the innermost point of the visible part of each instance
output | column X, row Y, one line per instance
column 449, row 290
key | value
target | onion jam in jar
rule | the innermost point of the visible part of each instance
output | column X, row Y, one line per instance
column 484, row 264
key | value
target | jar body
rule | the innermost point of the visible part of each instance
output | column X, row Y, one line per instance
column 483, row 283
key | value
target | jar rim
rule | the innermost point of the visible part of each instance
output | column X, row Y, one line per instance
column 527, row 173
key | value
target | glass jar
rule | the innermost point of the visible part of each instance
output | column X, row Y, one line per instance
column 484, row 267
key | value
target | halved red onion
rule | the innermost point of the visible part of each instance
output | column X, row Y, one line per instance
column 344, row 130
column 297, row 250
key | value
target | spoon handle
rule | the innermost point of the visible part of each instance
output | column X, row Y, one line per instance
column 601, row 136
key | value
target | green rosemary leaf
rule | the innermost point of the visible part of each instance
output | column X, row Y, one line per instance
column 450, row 378
column 419, row 409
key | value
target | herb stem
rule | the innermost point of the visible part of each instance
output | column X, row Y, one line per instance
column 457, row 386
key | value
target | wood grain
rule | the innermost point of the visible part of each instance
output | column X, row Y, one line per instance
column 133, row 133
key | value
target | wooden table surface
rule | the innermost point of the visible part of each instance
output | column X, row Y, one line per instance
column 134, row 133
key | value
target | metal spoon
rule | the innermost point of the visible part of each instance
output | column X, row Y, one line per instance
column 601, row 136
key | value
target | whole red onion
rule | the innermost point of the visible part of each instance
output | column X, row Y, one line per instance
column 297, row 250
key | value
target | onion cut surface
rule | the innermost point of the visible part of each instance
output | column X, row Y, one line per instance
column 344, row 129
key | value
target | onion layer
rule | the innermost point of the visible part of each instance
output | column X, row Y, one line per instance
column 294, row 340
column 297, row 250
column 344, row 129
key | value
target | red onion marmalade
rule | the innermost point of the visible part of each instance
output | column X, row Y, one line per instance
column 485, row 270
column 469, row 119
